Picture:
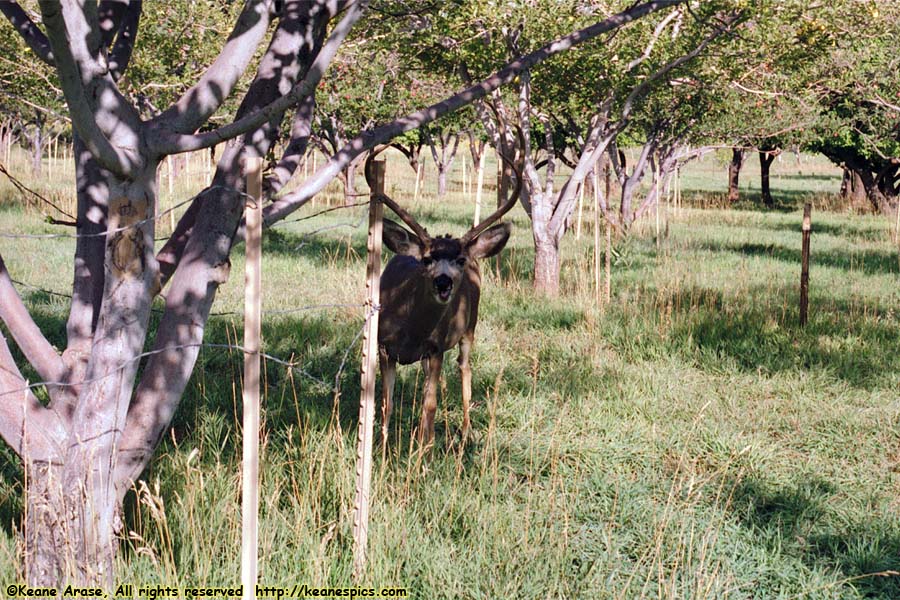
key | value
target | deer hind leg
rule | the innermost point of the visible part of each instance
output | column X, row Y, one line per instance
column 432, row 366
column 388, row 376
column 465, row 373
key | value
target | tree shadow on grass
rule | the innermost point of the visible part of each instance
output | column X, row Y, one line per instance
column 320, row 249
column 852, row 230
column 870, row 262
column 717, row 335
column 797, row 518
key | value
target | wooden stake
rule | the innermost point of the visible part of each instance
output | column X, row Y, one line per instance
column 464, row 182
column 597, row 292
column 171, row 181
column 897, row 226
column 678, row 191
column 367, row 392
column 418, row 182
column 608, row 261
column 479, row 187
column 252, row 331
column 804, row 266
column 658, row 195
column 580, row 210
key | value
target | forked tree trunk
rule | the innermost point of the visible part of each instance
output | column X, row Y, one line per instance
column 74, row 507
column 734, row 174
column 765, row 162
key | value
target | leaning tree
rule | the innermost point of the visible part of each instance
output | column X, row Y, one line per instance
column 83, row 449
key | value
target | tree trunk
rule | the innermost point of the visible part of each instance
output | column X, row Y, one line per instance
column 846, row 182
column 734, row 173
column 625, row 213
column 349, row 181
column 765, row 161
column 442, row 181
column 44, row 526
column 72, row 533
column 37, row 150
column 546, row 267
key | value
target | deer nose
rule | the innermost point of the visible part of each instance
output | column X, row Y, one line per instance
column 443, row 283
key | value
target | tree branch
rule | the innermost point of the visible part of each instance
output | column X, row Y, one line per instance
column 30, row 32
column 303, row 23
column 32, row 431
column 109, row 18
column 69, row 34
column 37, row 350
column 384, row 133
column 301, row 128
column 167, row 142
column 120, row 54
column 204, row 98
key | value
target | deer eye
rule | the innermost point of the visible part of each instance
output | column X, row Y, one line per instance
column 461, row 261
column 427, row 260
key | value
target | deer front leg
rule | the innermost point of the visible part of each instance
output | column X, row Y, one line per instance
column 388, row 376
column 465, row 373
column 432, row 366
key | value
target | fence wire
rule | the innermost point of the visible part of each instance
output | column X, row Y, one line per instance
column 292, row 365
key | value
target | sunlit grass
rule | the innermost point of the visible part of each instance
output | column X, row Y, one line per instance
column 687, row 441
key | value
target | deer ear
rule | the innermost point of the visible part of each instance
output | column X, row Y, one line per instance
column 399, row 240
column 490, row 242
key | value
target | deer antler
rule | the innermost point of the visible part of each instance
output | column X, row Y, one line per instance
column 507, row 206
column 407, row 218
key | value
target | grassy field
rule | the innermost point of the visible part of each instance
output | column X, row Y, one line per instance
column 688, row 440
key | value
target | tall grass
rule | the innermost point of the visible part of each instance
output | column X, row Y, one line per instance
column 687, row 441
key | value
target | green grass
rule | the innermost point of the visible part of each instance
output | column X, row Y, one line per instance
column 687, row 441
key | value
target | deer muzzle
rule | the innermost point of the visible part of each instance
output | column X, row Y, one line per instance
column 443, row 287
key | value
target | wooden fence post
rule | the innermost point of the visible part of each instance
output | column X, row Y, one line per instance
column 597, row 292
column 608, row 256
column 658, row 196
column 252, row 331
column 479, row 186
column 367, row 392
column 580, row 210
column 804, row 267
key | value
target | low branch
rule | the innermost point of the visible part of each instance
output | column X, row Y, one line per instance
column 33, row 432
column 301, row 128
column 30, row 32
column 37, row 350
column 303, row 23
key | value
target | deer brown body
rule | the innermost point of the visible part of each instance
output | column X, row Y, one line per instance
column 429, row 304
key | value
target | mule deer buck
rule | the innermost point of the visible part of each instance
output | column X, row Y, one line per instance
column 429, row 302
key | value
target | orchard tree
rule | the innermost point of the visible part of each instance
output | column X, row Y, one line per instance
column 594, row 91
column 84, row 449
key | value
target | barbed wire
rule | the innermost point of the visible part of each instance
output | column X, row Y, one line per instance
column 292, row 365
column 25, row 189
column 280, row 311
column 136, row 224
column 160, row 216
